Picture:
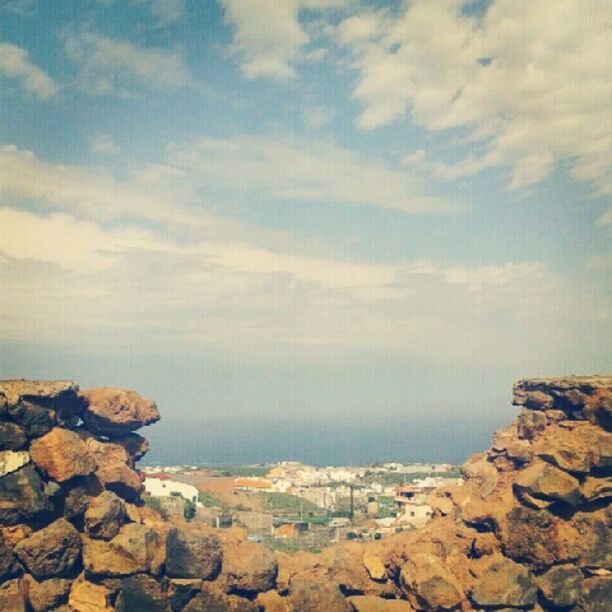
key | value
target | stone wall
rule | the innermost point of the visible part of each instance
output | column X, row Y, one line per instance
column 528, row 529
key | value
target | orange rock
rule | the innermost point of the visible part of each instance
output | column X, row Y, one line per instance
column 86, row 596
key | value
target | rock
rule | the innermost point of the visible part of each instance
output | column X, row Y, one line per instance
column 308, row 595
column 11, row 461
column 425, row 577
column 594, row 489
column 190, row 554
column 598, row 409
column 249, row 568
column 561, row 585
column 11, row 597
column 271, row 601
column 86, row 596
column 51, row 552
column 62, row 455
column 135, row 446
column 47, row 594
column 104, row 453
column 9, row 566
column 133, row 550
column 370, row 603
column 542, row 480
column 142, row 592
column 104, row 516
column 13, row 534
column 122, row 480
column 520, row 451
column 115, row 412
column 596, row 594
column 505, row 583
column 34, row 420
column 182, row 591
column 47, row 392
column 478, row 468
column 375, row 567
column 593, row 546
column 12, row 437
column 77, row 494
column 212, row 599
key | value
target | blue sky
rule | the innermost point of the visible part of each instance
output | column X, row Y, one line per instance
column 304, row 208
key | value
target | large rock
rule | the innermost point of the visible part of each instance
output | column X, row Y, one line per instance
column 596, row 594
column 133, row 550
column 22, row 497
column 51, row 552
column 122, row 480
column 142, row 593
column 135, row 445
column 561, row 585
column 506, row 584
column 46, row 594
column 104, row 516
column 11, row 597
column 370, row 603
column 113, row 412
column 11, row 461
column 12, row 437
column 8, row 562
column 598, row 408
column 309, row 595
column 76, row 495
column 86, row 596
column 190, row 554
column 428, row 583
column 62, row 455
column 249, row 568
column 375, row 567
column 542, row 480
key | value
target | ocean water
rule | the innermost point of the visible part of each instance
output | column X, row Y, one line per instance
column 322, row 442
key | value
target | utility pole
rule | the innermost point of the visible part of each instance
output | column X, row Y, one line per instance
column 352, row 510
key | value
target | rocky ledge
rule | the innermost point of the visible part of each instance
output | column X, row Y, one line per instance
column 529, row 527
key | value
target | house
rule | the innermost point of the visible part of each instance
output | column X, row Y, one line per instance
column 161, row 485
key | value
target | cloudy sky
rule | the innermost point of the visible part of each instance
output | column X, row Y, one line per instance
column 306, row 207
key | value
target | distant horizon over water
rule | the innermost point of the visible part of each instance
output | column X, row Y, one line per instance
column 317, row 442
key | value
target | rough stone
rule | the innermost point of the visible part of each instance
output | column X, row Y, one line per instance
column 104, row 516
column 122, row 480
column 11, row 597
column 375, row 567
column 370, row 603
column 133, row 550
column 596, row 594
column 135, row 446
column 142, row 592
column 598, row 409
column 51, row 552
column 542, row 480
column 594, row 489
column 249, row 568
column 190, row 554
column 11, row 461
column 46, row 594
column 425, row 577
column 62, row 455
column 594, row 542
column 271, row 601
column 77, row 494
column 505, row 583
column 8, row 562
column 561, row 585
column 311, row 595
column 478, row 468
column 12, row 437
column 86, row 596
column 117, row 411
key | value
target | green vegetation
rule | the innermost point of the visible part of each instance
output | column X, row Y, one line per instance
column 189, row 509
column 235, row 471
column 292, row 507
column 209, row 500
column 155, row 503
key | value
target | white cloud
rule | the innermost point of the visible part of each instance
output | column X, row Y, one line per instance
column 290, row 169
column 317, row 117
column 530, row 81
column 14, row 63
column 104, row 144
column 166, row 11
column 111, row 67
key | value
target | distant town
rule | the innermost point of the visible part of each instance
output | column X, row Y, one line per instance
column 292, row 506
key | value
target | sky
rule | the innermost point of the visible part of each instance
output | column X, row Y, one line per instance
column 306, row 209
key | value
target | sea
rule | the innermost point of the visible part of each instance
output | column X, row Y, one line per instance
column 321, row 442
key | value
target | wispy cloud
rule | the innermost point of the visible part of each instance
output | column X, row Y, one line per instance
column 104, row 144
column 14, row 63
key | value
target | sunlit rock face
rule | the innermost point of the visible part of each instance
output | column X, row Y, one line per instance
column 528, row 528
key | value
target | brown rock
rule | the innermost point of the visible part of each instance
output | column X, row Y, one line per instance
column 12, row 437
column 8, row 562
column 104, row 516
column 11, row 461
column 62, row 455
column 271, row 601
column 86, row 596
column 11, row 597
column 13, row 534
column 22, row 497
column 598, row 408
column 594, row 543
column 596, row 594
column 370, row 603
column 135, row 446
column 142, row 593
column 122, row 480
column 213, row 599
column 375, row 567
column 104, row 453
column 542, row 480
column 505, row 583
column 131, row 551
column 51, row 552
column 479, row 468
column 117, row 411
column 191, row 554
column 594, row 489
column 249, row 568
column 47, row 594
column 427, row 581
column 561, row 585
column 307, row 595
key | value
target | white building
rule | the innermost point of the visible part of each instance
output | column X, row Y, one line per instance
column 164, row 487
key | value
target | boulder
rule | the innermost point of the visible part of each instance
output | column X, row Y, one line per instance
column 375, row 567
column 133, row 550
column 11, row 461
column 51, row 552
column 116, row 412
column 542, row 480
column 142, row 592
column 46, row 594
column 483, row 471
column 76, row 496
column 308, row 595
column 561, row 585
column 428, row 583
column 593, row 546
column 122, row 480
column 370, row 603
column 249, row 568
column 12, row 437
column 9, row 566
column 104, row 516
column 213, row 599
column 596, row 594
column 135, row 446
column 598, row 409
column 11, row 597
column 594, row 489
column 505, row 584
column 104, row 453
column 271, row 601
column 62, row 455
column 86, row 596
column 191, row 554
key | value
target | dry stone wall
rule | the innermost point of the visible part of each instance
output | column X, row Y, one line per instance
column 529, row 528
